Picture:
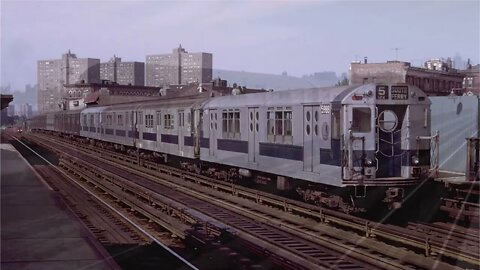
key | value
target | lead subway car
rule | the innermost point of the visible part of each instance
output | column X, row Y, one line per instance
column 337, row 146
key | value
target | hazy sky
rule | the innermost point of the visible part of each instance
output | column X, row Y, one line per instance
column 299, row 37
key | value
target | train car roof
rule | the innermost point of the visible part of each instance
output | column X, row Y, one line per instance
column 336, row 96
column 285, row 98
column 183, row 101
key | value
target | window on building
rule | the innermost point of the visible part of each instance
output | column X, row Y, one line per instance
column 84, row 120
column 468, row 82
column 361, row 119
column 91, row 120
column 127, row 118
column 231, row 124
column 149, row 120
column 169, row 121
column 279, row 125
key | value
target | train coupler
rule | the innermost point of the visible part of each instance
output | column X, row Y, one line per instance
column 394, row 197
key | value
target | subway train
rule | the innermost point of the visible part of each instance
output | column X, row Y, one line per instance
column 344, row 147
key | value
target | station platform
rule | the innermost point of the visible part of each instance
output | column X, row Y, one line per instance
column 38, row 231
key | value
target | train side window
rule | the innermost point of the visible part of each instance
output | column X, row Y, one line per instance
column 168, row 120
column 149, row 120
column 231, row 124
column 279, row 125
column 271, row 126
column 109, row 119
column 288, row 127
column 361, row 119
column 120, row 119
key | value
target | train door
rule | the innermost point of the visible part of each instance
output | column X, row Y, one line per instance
column 311, row 130
column 158, row 129
column 213, row 132
column 389, row 140
column 139, row 126
column 253, row 127
column 181, row 131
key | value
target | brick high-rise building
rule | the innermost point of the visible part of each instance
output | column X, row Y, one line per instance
column 123, row 73
column 179, row 67
column 53, row 74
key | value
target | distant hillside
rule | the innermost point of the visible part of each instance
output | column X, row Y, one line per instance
column 276, row 82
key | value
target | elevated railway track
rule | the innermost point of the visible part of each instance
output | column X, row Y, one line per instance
column 270, row 212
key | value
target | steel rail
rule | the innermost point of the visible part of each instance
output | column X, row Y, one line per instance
column 335, row 243
column 371, row 229
column 133, row 223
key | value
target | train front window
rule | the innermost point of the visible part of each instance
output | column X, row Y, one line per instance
column 387, row 121
column 361, row 119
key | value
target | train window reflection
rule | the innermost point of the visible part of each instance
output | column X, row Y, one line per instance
column 361, row 119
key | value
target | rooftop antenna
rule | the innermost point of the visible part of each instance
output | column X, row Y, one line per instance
column 396, row 52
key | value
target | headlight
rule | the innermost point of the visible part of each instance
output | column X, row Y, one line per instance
column 415, row 160
column 368, row 161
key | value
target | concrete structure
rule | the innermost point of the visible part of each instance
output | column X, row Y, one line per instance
column 38, row 229
column 124, row 73
column 433, row 82
column 179, row 67
column 53, row 74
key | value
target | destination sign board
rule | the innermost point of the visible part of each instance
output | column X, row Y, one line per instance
column 399, row 92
